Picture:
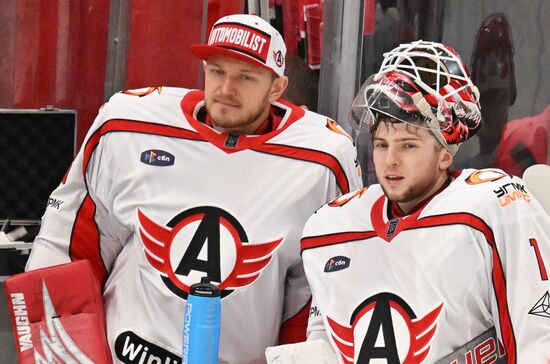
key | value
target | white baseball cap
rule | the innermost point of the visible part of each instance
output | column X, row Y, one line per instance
column 246, row 37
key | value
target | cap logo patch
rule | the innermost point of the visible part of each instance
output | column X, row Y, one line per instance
column 238, row 37
column 278, row 58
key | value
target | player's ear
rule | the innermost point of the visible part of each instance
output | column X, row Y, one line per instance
column 445, row 159
column 278, row 86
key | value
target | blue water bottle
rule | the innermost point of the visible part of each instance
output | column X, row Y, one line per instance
column 201, row 324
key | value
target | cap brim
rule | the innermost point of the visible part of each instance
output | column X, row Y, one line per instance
column 205, row 51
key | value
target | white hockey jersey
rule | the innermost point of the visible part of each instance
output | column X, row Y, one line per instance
column 417, row 288
column 156, row 199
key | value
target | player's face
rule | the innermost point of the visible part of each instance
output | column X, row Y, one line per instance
column 238, row 94
column 410, row 164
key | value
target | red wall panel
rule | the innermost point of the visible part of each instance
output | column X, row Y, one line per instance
column 219, row 8
column 291, row 21
column 58, row 57
column 160, row 34
column 55, row 51
column 7, row 45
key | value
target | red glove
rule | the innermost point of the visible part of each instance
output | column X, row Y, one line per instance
column 57, row 313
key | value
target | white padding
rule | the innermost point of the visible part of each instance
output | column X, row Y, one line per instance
column 308, row 352
column 537, row 180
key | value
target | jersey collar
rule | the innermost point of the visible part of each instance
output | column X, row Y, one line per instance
column 284, row 112
column 388, row 220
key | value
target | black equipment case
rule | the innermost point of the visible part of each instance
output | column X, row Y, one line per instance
column 36, row 148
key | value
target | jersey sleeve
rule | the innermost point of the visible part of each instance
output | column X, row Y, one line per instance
column 78, row 227
column 522, row 252
column 315, row 326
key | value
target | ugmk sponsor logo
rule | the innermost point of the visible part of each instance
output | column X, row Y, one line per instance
column 156, row 157
column 336, row 263
column 201, row 241
column 510, row 192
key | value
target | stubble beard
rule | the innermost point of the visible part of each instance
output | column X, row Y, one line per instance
column 236, row 123
column 411, row 193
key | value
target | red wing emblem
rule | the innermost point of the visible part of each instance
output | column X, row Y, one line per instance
column 342, row 335
column 422, row 332
column 252, row 258
column 381, row 311
column 159, row 243
column 157, row 251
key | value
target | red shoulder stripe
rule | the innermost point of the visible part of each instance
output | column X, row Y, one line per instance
column 332, row 239
column 135, row 127
column 309, row 155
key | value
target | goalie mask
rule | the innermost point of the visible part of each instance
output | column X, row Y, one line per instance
column 425, row 84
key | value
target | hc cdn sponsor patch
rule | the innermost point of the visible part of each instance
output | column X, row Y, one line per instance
column 157, row 157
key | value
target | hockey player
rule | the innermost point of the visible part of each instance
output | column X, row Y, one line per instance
column 428, row 266
column 172, row 184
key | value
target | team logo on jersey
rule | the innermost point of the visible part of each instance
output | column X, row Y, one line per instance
column 484, row 176
column 336, row 263
column 204, row 241
column 384, row 326
column 156, row 157
column 542, row 307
